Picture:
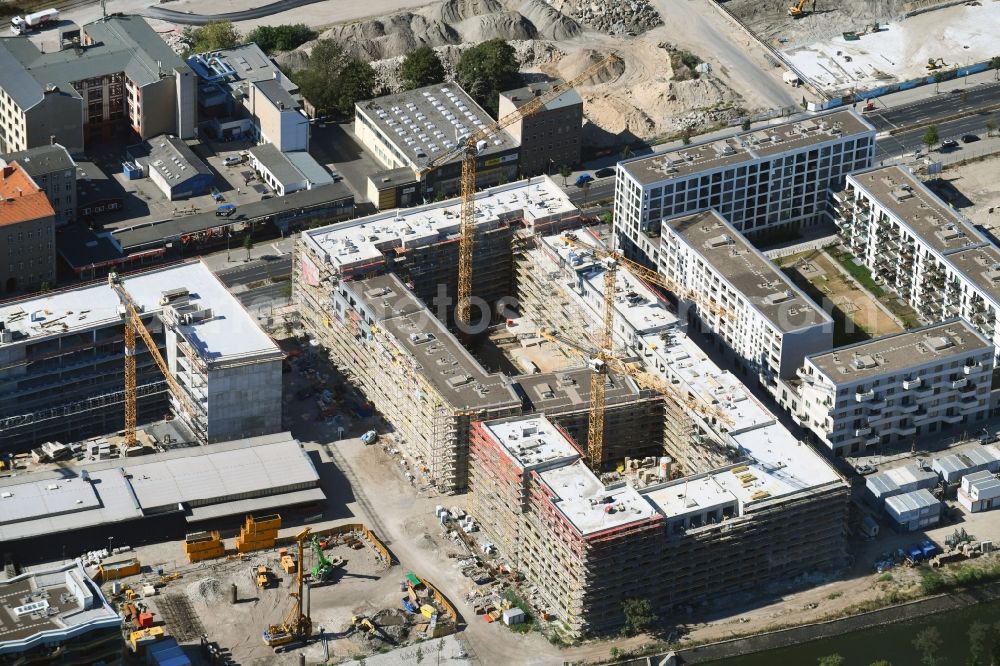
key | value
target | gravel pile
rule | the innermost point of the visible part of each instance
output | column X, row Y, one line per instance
column 614, row 17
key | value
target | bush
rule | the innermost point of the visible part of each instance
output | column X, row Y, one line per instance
column 932, row 583
column 487, row 69
column 213, row 36
column 420, row 68
column 273, row 38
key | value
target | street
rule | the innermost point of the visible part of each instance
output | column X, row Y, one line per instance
column 941, row 105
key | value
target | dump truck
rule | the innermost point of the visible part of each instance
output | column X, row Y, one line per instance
column 22, row 25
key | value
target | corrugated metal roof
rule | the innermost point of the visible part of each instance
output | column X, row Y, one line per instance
column 254, row 505
column 918, row 499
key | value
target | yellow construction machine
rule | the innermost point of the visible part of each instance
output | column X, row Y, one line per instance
column 798, row 10
column 935, row 64
column 297, row 624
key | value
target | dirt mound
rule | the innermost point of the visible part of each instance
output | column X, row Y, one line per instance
column 456, row 11
column 572, row 67
column 549, row 22
column 393, row 36
column 501, row 25
column 209, row 590
column 615, row 17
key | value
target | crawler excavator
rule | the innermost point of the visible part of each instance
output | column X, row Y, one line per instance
column 798, row 10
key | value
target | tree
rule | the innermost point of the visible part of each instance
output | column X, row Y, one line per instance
column 991, row 126
column 938, row 78
column 746, row 125
column 565, row 171
column 213, row 35
column 626, row 152
column 421, row 68
column 639, row 615
column 930, row 137
column 248, row 245
column 273, row 38
column 686, row 136
column 995, row 65
column 487, row 69
column 928, row 643
column 332, row 81
column 832, row 660
column 607, row 217
column 357, row 83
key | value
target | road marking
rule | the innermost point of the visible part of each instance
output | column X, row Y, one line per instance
column 277, row 249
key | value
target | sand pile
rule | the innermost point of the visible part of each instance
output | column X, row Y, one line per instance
column 549, row 22
column 456, row 11
column 396, row 35
column 501, row 25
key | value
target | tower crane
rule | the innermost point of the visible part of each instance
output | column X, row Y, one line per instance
column 297, row 622
column 654, row 277
column 134, row 324
column 469, row 149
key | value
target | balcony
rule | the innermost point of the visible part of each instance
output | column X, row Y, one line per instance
column 910, row 408
column 969, row 369
column 863, row 396
column 911, row 383
column 871, row 441
column 953, row 418
column 861, row 432
column 959, row 383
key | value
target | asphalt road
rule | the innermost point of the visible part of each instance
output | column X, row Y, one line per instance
column 925, row 110
column 257, row 270
column 907, row 142
column 184, row 18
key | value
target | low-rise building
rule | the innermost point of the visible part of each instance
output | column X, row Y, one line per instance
column 897, row 387
column 57, row 615
column 980, row 491
column 119, row 78
column 53, row 169
column 287, row 172
column 746, row 304
column 173, row 167
column 915, row 510
column 550, row 137
column 27, row 233
column 412, row 128
column 953, row 466
column 898, row 481
column 278, row 116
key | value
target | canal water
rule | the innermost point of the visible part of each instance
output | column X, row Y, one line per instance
column 893, row 642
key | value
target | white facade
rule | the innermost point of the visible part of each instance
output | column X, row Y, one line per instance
column 756, row 311
column 770, row 178
column 896, row 387
column 979, row 492
column 919, row 247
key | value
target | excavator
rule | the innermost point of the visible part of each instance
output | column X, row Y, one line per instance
column 324, row 567
column 798, row 10
column 297, row 624
column 935, row 64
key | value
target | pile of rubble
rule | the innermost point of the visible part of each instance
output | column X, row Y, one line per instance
column 616, row 17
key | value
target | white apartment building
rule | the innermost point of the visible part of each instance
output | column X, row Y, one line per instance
column 756, row 311
column 919, row 247
column 771, row 178
column 896, row 387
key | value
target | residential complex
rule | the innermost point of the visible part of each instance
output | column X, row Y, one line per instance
column 550, row 137
column 771, row 178
column 119, row 77
column 54, row 171
column 62, row 359
column 406, row 131
column 927, row 380
column 744, row 301
column 586, row 546
column 27, row 233
column 919, row 247
column 57, row 615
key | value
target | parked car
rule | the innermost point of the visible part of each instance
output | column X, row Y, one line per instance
column 225, row 210
column 369, row 437
column 583, row 179
column 969, row 138
column 605, row 172
column 949, row 144
column 232, row 160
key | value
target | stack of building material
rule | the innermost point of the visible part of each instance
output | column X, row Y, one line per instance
column 258, row 533
column 116, row 570
column 203, row 546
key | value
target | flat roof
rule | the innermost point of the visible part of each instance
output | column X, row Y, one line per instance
column 912, row 501
column 230, row 333
column 80, row 247
column 746, row 146
column 314, row 172
column 563, row 390
column 51, row 605
column 919, row 209
column 981, row 266
column 750, row 273
column 98, row 492
column 277, row 94
column 246, row 62
column 159, row 233
column 984, row 481
column 423, row 124
column 900, row 351
column 519, row 96
column 170, row 156
column 363, row 241
column 532, row 442
column 588, row 504
column 442, row 360
column 277, row 163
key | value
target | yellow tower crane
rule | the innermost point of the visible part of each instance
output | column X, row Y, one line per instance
column 469, row 150
column 134, row 324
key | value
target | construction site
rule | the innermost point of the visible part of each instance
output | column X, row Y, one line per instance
column 683, row 460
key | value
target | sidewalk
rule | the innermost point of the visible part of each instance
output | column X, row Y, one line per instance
column 236, row 256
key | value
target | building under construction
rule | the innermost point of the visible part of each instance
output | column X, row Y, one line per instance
column 587, row 545
column 62, row 359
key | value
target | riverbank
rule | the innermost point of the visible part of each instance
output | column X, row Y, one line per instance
column 781, row 638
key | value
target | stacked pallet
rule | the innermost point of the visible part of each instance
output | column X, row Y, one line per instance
column 203, row 546
column 258, row 533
